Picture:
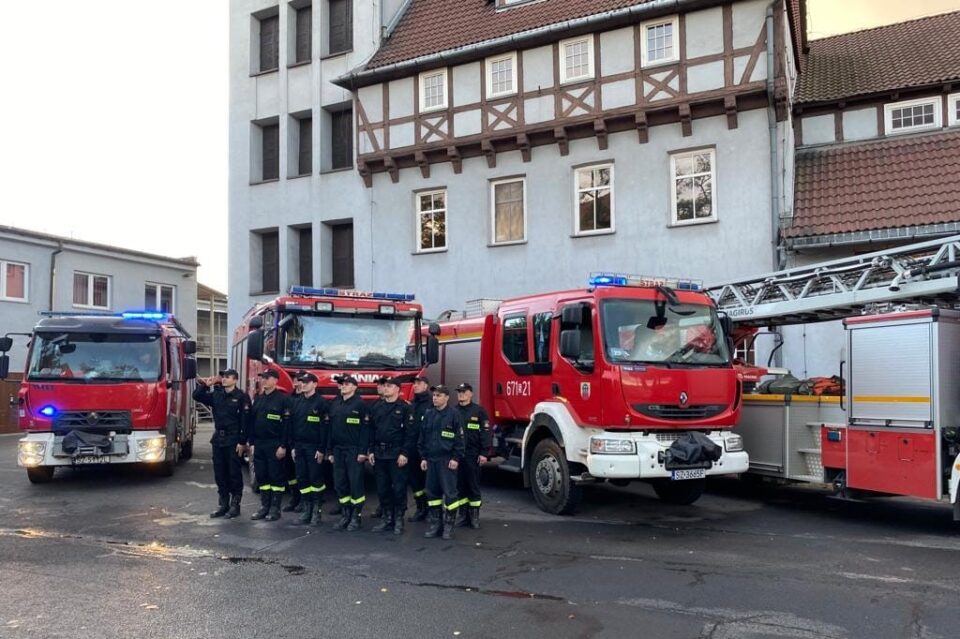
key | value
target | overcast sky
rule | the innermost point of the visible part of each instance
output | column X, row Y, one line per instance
column 115, row 115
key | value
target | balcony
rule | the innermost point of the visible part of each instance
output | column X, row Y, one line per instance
column 218, row 342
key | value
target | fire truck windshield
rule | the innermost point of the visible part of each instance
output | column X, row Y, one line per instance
column 94, row 357
column 332, row 341
column 660, row 333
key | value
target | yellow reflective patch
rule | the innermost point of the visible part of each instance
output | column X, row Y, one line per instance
column 313, row 418
column 434, row 502
column 473, row 426
column 448, row 434
column 273, row 416
column 359, row 501
column 344, row 500
column 421, row 493
column 473, row 504
column 353, row 420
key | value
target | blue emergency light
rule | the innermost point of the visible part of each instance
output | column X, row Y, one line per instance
column 307, row 291
column 144, row 315
column 643, row 281
column 48, row 411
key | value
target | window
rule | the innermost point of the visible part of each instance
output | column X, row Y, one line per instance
column 576, row 59
column 270, row 151
column 508, row 198
column 953, row 109
column 431, row 221
column 341, row 26
column 91, row 291
column 158, row 297
column 305, row 261
column 659, row 42
column 304, row 41
column 269, row 43
column 542, row 323
column 912, row 115
column 502, row 75
column 304, row 145
column 515, row 343
column 270, row 243
column 693, row 194
column 433, row 90
column 341, row 136
column 13, row 285
column 594, row 205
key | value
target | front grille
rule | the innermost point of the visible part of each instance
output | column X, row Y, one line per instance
column 115, row 420
column 675, row 411
column 333, row 391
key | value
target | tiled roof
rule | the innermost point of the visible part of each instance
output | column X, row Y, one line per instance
column 431, row 26
column 899, row 56
column 895, row 182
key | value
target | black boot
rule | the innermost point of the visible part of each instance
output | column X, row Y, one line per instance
column 337, row 509
column 449, row 520
column 463, row 519
column 436, row 525
column 398, row 522
column 265, row 497
column 344, row 517
column 315, row 519
column 474, row 517
column 421, row 513
column 377, row 512
column 275, row 502
column 354, row 519
column 307, row 515
column 387, row 523
column 294, row 505
column 234, row 511
column 223, row 509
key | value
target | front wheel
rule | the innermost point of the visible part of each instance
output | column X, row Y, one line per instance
column 553, row 488
column 186, row 449
column 40, row 474
column 682, row 493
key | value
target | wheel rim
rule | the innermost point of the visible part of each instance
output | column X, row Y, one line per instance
column 547, row 475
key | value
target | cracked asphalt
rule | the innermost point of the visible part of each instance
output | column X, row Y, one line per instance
column 120, row 553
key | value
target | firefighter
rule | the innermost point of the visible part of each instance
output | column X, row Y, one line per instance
column 267, row 438
column 378, row 511
column 328, row 462
column 441, row 450
column 289, row 466
column 349, row 443
column 477, row 442
column 309, row 439
column 231, row 411
column 422, row 400
column 394, row 439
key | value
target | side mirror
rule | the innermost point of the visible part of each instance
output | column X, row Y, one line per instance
column 572, row 315
column 726, row 323
column 656, row 321
column 4, row 365
column 189, row 347
column 255, row 322
column 255, row 345
column 189, row 368
column 434, row 328
column 6, row 343
column 433, row 350
column 570, row 344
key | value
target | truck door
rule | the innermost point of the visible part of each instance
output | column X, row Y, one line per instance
column 576, row 375
column 513, row 393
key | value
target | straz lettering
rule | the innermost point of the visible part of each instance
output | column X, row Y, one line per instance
column 519, row 389
column 448, row 434
column 353, row 420
column 273, row 416
column 473, row 426
column 313, row 418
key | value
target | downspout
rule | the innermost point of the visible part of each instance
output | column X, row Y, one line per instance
column 53, row 273
column 777, row 355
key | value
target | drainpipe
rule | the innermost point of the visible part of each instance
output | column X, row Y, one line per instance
column 777, row 355
column 53, row 273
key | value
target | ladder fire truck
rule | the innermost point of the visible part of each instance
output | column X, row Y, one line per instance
column 895, row 430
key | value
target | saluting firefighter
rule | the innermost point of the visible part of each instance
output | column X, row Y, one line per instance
column 289, row 466
column 394, row 437
column 422, row 400
column 349, row 442
column 267, row 438
column 441, row 449
column 310, row 440
column 477, row 442
column 231, row 411
column 378, row 511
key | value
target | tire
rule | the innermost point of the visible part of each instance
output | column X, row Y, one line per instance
column 550, row 481
column 41, row 474
column 167, row 467
column 681, row 493
column 186, row 450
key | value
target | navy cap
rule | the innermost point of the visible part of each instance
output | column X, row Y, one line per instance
column 383, row 379
column 443, row 390
column 346, row 379
column 421, row 378
column 390, row 380
column 229, row 372
column 308, row 377
column 464, row 387
column 270, row 373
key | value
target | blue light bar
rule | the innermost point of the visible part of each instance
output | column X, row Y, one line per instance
column 48, row 411
column 608, row 280
column 643, row 281
column 144, row 315
column 307, row 291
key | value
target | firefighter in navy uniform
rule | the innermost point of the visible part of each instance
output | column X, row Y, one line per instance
column 289, row 466
column 267, row 437
column 231, row 411
column 349, row 442
column 441, row 450
column 422, row 400
column 309, row 440
column 394, row 439
column 477, row 442
column 378, row 511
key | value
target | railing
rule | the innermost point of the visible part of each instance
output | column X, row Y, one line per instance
column 219, row 343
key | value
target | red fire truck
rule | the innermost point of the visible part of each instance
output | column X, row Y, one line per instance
column 601, row 383
column 104, row 388
column 333, row 331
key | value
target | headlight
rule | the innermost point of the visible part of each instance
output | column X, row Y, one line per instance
column 151, row 449
column 602, row 446
column 31, row 453
column 733, row 443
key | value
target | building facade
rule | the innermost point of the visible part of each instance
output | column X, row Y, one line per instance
column 212, row 331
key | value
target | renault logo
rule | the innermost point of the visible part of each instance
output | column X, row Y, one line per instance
column 683, row 398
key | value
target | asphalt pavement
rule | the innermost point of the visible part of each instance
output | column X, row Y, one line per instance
column 118, row 552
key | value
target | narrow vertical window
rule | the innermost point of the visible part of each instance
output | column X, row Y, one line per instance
column 271, row 151
column 304, row 41
column 509, row 211
column 433, row 90
column 693, row 186
column 576, row 59
column 594, row 197
column 431, row 221
column 340, row 22
column 269, row 43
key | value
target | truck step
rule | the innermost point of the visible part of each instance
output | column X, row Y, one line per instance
column 512, row 465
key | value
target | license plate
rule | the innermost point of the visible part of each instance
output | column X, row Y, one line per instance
column 689, row 473
column 90, row 459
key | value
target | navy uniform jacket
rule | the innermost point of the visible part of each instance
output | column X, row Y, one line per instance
column 269, row 419
column 309, row 423
column 350, row 423
column 394, row 431
column 231, row 413
column 476, row 429
column 441, row 435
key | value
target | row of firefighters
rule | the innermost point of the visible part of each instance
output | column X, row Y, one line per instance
column 430, row 445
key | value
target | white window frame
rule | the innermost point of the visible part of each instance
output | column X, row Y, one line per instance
column 493, row 210
column 418, row 213
column 512, row 56
column 3, row 282
column 592, row 71
column 577, row 231
column 446, row 98
column 156, row 294
column 888, row 109
column 645, row 60
column 674, row 220
column 953, row 104
column 90, row 303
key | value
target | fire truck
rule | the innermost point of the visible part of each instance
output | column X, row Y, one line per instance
column 603, row 383
column 102, row 388
column 329, row 332
column 895, row 428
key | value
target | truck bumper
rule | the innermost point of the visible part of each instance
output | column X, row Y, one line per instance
column 647, row 462
column 46, row 449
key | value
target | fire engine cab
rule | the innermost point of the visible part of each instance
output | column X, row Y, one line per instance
column 103, row 388
column 603, row 383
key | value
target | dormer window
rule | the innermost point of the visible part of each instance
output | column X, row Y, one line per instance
column 502, row 75
column 912, row 115
column 433, row 90
column 576, row 59
column 659, row 42
column 953, row 109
